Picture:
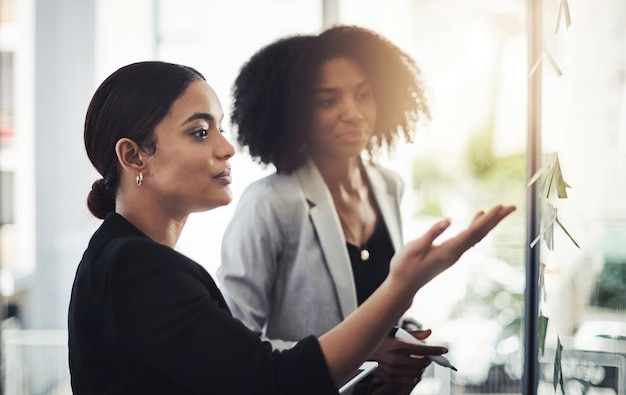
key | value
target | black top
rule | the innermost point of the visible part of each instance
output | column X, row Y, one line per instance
column 369, row 274
column 144, row 319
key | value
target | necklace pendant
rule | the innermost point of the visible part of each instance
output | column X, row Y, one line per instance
column 365, row 255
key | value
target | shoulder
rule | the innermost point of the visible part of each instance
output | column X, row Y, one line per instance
column 272, row 183
column 274, row 190
column 120, row 249
column 392, row 180
column 137, row 247
column 133, row 254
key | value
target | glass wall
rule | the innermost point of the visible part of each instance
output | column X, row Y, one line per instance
column 583, row 252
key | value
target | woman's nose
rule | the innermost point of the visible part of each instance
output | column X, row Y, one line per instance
column 225, row 149
column 350, row 111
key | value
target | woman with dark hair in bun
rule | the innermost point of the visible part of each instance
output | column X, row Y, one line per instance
column 145, row 319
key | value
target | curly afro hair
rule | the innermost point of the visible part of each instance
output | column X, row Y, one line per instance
column 273, row 93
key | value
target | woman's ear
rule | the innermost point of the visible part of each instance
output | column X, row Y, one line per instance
column 129, row 154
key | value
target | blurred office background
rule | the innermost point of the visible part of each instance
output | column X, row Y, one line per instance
column 512, row 84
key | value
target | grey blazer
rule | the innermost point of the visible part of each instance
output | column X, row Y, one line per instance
column 285, row 270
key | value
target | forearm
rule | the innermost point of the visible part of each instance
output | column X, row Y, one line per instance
column 351, row 342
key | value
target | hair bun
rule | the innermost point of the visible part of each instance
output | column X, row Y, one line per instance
column 100, row 201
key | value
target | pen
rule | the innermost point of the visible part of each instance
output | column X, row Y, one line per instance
column 403, row 335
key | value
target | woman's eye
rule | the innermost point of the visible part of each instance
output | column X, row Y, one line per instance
column 363, row 96
column 201, row 134
column 326, row 102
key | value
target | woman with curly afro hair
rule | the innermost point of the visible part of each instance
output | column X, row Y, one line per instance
column 311, row 242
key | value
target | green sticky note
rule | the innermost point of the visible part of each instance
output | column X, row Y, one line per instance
column 543, row 328
column 558, row 372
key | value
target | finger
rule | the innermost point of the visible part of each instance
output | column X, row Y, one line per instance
column 414, row 368
column 481, row 226
column 402, row 366
column 399, row 375
column 403, row 363
column 421, row 349
column 421, row 334
column 422, row 245
column 393, row 384
column 435, row 231
column 478, row 215
column 486, row 222
column 482, row 219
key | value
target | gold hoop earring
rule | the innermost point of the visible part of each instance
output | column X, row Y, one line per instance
column 139, row 179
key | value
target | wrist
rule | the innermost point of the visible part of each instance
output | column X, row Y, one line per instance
column 399, row 291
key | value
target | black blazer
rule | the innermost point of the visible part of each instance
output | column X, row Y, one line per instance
column 144, row 319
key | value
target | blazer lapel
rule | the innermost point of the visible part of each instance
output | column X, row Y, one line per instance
column 328, row 229
column 388, row 202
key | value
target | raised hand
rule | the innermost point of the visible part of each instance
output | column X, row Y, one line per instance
column 420, row 260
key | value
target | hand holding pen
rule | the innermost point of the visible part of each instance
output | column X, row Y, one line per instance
column 405, row 336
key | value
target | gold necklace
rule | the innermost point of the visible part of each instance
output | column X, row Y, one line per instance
column 364, row 252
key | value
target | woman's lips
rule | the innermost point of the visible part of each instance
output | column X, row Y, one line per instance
column 353, row 135
column 225, row 176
